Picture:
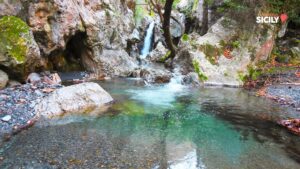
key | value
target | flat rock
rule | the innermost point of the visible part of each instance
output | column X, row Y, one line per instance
column 75, row 99
column 6, row 118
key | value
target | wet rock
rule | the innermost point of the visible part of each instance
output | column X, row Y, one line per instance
column 3, row 79
column 192, row 78
column 80, row 98
column 153, row 74
column 6, row 118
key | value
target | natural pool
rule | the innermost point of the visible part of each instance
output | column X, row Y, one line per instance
column 160, row 127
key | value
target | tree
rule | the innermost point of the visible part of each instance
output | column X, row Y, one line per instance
column 166, row 27
column 165, row 19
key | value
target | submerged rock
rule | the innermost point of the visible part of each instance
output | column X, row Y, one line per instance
column 80, row 98
column 3, row 79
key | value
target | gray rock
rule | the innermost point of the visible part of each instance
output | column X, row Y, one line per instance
column 3, row 79
column 6, row 118
column 13, row 83
column 192, row 78
column 75, row 99
column 158, row 53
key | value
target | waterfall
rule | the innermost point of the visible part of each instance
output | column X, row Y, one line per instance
column 147, row 41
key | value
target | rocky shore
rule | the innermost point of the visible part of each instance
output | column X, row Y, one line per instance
column 22, row 105
column 17, row 106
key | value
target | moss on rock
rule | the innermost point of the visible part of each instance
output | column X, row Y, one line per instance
column 14, row 38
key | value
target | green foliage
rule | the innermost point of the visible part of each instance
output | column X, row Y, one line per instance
column 291, row 7
column 201, row 75
column 195, row 5
column 185, row 37
column 139, row 11
column 211, row 52
column 14, row 37
column 253, row 73
column 242, row 77
column 166, row 57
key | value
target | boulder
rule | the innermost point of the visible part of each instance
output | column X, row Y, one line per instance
column 75, row 99
column 19, row 53
column 3, row 79
column 158, row 53
column 153, row 74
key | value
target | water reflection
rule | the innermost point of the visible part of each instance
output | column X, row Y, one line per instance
column 210, row 128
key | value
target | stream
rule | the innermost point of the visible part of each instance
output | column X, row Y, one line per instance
column 159, row 127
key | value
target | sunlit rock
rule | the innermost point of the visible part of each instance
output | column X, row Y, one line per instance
column 75, row 99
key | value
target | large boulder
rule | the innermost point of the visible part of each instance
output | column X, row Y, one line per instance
column 3, row 79
column 19, row 53
column 76, row 99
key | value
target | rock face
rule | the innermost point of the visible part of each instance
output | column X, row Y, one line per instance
column 75, row 99
column 78, row 30
column 3, row 79
column 207, row 53
column 105, row 27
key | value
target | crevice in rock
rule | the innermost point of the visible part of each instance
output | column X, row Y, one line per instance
column 71, row 59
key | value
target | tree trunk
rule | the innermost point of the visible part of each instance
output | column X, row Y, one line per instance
column 166, row 27
column 204, row 27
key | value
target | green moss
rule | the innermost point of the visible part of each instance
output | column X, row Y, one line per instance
column 166, row 57
column 201, row 75
column 185, row 37
column 211, row 52
column 253, row 74
column 14, row 37
column 242, row 77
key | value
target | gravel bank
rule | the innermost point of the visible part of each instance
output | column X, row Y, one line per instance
column 17, row 106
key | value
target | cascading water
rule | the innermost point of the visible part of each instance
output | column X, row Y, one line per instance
column 147, row 41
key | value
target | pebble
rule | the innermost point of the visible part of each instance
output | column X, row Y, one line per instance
column 6, row 118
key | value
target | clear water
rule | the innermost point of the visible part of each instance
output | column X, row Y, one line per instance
column 147, row 41
column 160, row 127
